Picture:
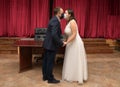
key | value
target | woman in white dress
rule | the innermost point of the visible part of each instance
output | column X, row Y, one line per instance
column 75, row 63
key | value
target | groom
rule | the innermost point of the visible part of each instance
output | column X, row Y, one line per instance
column 51, row 44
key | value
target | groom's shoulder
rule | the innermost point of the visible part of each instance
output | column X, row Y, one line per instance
column 54, row 20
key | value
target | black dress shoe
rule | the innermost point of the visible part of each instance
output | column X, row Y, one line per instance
column 54, row 81
column 44, row 79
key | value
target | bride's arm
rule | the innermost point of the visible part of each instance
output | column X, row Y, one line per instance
column 74, row 31
column 65, row 37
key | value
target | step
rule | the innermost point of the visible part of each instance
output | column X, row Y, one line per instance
column 92, row 45
column 7, row 47
column 93, row 40
column 8, row 52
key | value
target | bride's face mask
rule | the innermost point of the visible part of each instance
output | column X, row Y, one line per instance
column 65, row 16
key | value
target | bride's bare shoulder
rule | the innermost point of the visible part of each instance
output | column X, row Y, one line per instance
column 73, row 21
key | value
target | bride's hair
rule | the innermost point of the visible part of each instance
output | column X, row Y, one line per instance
column 70, row 11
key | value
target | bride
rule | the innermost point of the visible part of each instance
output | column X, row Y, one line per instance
column 75, row 63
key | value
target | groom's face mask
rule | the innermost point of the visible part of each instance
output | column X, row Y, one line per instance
column 62, row 16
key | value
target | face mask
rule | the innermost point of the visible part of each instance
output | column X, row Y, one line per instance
column 65, row 16
column 62, row 16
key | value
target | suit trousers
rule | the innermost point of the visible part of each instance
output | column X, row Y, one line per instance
column 48, row 64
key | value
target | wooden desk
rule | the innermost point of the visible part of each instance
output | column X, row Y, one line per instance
column 25, row 50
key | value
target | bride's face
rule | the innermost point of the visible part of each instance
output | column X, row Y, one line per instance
column 66, row 15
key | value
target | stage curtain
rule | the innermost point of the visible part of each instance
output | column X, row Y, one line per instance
column 95, row 18
column 21, row 17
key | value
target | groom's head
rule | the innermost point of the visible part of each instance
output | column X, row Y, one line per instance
column 58, row 11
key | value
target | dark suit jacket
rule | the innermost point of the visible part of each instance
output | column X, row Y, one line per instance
column 53, row 35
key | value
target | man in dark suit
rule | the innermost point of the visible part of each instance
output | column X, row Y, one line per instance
column 51, row 44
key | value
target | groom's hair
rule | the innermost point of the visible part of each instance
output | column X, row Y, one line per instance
column 56, row 10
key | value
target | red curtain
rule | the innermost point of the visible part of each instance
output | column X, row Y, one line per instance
column 39, row 13
column 95, row 18
column 3, row 17
column 21, row 17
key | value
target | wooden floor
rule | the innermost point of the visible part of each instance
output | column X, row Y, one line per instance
column 104, row 71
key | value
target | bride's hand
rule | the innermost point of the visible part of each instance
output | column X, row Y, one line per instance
column 64, row 43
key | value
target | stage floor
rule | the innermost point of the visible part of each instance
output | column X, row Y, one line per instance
column 104, row 71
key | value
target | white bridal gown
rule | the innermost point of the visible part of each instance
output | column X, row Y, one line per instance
column 75, row 63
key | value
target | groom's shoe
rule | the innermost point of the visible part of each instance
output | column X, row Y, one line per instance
column 44, row 79
column 54, row 81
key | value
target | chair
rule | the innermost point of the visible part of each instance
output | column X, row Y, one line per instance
column 40, row 34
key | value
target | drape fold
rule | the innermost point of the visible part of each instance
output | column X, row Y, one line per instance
column 20, row 17
column 95, row 18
